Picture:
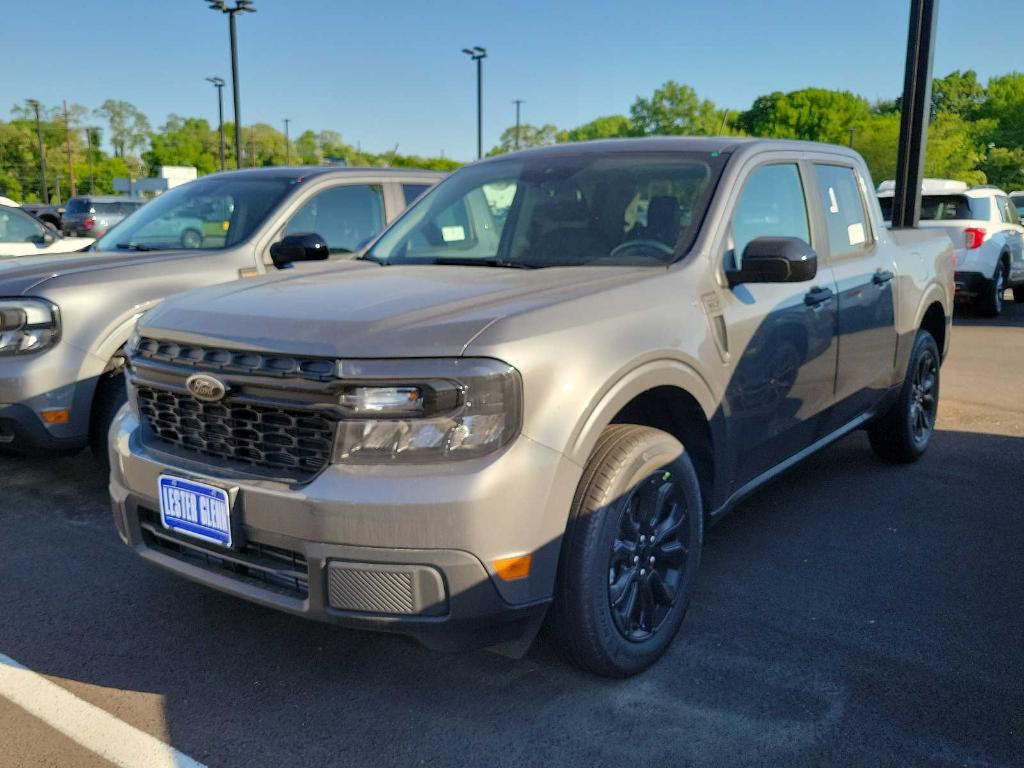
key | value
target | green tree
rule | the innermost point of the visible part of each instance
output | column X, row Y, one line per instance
column 529, row 136
column 129, row 128
column 184, row 141
column 813, row 114
column 1005, row 106
column 675, row 109
column 958, row 93
column 607, row 127
column 1005, row 166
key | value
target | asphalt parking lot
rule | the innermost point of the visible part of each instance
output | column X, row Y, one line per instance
column 853, row 613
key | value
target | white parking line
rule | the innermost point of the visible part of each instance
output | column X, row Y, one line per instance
column 93, row 728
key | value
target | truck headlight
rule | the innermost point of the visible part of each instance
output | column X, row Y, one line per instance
column 426, row 410
column 28, row 325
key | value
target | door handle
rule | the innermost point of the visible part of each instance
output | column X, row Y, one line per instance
column 881, row 277
column 818, row 296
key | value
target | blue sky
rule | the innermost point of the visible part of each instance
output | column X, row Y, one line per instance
column 386, row 73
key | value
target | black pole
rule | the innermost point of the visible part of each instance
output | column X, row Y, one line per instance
column 42, row 153
column 220, row 118
column 917, row 100
column 234, row 83
column 92, row 169
column 287, row 144
column 479, row 107
column 517, row 102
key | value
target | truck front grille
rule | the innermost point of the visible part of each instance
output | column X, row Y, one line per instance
column 234, row 361
column 275, row 438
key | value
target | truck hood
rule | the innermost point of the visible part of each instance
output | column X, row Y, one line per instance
column 358, row 310
column 22, row 274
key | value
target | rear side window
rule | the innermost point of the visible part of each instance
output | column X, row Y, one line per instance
column 76, row 205
column 346, row 217
column 413, row 191
column 1007, row 211
column 843, row 206
column 772, row 204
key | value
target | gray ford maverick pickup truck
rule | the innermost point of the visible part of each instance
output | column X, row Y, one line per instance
column 64, row 318
column 532, row 392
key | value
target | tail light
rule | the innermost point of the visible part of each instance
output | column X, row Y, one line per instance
column 973, row 237
column 88, row 221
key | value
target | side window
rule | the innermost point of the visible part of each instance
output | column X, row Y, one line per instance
column 843, row 207
column 346, row 217
column 413, row 191
column 772, row 204
column 1007, row 212
column 18, row 227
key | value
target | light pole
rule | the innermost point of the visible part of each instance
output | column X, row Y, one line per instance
column 478, row 54
column 34, row 105
column 92, row 138
column 240, row 6
column 287, row 144
column 518, row 103
column 218, row 83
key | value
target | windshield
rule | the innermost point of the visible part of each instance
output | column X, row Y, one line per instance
column 209, row 214
column 639, row 208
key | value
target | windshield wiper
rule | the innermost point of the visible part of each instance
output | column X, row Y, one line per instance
column 136, row 247
column 450, row 261
column 370, row 257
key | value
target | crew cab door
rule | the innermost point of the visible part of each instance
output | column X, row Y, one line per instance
column 781, row 337
column 865, row 286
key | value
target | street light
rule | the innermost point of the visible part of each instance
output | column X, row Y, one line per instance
column 240, row 6
column 518, row 103
column 478, row 54
column 287, row 143
column 218, row 83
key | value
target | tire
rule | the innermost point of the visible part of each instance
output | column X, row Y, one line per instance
column 990, row 303
column 191, row 238
column 1018, row 294
column 637, row 479
column 110, row 396
column 902, row 435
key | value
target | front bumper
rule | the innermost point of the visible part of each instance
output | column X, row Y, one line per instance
column 32, row 384
column 405, row 550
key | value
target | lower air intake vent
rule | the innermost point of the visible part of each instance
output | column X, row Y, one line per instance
column 392, row 589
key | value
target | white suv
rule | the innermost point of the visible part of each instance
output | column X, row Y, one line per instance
column 986, row 230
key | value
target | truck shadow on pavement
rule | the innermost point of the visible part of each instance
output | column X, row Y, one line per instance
column 851, row 613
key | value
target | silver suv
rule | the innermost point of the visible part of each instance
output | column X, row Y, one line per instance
column 64, row 319
column 531, row 392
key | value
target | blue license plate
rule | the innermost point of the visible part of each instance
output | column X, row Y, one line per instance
column 195, row 509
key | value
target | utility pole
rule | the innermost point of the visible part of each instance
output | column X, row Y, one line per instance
column 218, row 83
column 89, row 138
column 241, row 6
column 33, row 104
column 252, row 146
column 287, row 144
column 853, row 130
column 518, row 103
column 478, row 54
column 67, row 141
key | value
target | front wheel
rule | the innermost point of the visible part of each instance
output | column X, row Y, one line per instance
column 631, row 554
column 903, row 433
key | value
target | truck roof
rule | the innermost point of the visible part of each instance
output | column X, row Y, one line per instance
column 721, row 144
column 311, row 171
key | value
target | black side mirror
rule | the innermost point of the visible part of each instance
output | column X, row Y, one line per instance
column 775, row 260
column 304, row 246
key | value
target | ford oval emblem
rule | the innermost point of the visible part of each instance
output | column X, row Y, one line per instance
column 206, row 388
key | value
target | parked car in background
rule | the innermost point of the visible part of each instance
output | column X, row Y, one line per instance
column 525, row 394
column 66, row 319
column 52, row 215
column 986, row 230
column 21, row 234
column 1017, row 198
column 93, row 215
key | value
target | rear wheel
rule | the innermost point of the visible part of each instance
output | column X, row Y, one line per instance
column 631, row 554
column 902, row 435
column 990, row 303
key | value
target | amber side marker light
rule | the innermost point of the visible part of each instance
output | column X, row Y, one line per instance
column 513, row 568
column 56, row 416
